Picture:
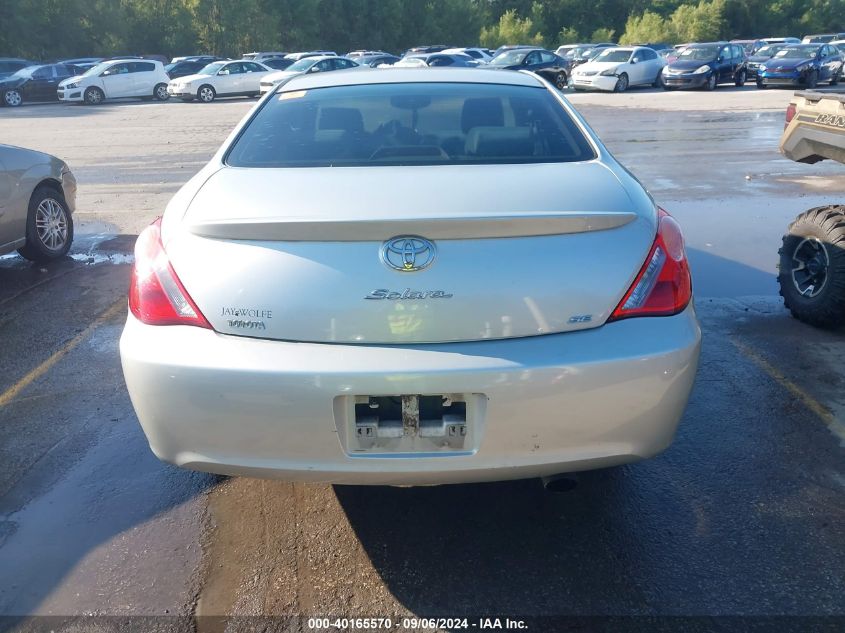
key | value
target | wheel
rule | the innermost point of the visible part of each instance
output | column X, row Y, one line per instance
column 835, row 79
column 761, row 85
column 206, row 94
column 561, row 81
column 621, row 83
column 740, row 79
column 658, row 82
column 812, row 267
column 12, row 98
column 49, row 226
column 160, row 93
column 812, row 80
column 93, row 96
column 711, row 82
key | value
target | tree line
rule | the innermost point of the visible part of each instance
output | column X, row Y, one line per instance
column 49, row 29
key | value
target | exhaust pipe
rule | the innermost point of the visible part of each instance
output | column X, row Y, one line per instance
column 564, row 482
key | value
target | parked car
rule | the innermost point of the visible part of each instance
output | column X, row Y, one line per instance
column 238, row 78
column 802, row 65
column 206, row 59
column 277, row 63
column 760, row 57
column 37, row 201
column 145, row 79
column 304, row 54
column 616, row 69
column 307, row 65
column 511, row 47
column 282, row 308
column 669, row 54
column 11, row 65
column 380, row 59
column 426, row 48
column 822, row 38
column 183, row 58
column 82, row 63
column 363, row 53
column 583, row 54
column 34, row 83
column 433, row 60
column 551, row 67
column 562, row 51
column 185, row 67
column 259, row 56
column 655, row 46
column 478, row 54
column 748, row 45
column 706, row 66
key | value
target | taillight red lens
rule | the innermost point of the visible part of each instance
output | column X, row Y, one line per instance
column 790, row 114
column 156, row 296
column 663, row 287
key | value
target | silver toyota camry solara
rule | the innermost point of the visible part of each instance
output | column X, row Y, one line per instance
column 410, row 277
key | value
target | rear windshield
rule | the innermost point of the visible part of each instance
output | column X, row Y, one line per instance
column 410, row 123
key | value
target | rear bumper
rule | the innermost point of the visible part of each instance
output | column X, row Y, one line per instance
column 549, row 404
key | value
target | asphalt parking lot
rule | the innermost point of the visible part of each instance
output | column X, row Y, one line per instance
column 743, row 516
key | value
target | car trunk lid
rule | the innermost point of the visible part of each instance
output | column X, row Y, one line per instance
column 518, row 250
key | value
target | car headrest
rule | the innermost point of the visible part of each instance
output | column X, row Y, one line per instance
column 482, row 112
column 500, row 142
column 346, row 119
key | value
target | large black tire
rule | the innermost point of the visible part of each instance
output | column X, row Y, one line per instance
column 711, row 83
column 49, row 226
column 835, row 79
column 761, row 85
column 561, row 81
column 93, row 96
column 812, row 267
column 739, row 80
column 812, row 79
column 658, row 82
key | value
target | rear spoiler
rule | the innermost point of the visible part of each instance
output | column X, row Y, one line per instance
column 364, row 230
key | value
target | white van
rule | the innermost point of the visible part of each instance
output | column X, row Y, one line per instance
column 116, row 78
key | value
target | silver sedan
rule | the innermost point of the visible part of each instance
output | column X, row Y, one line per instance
column 410, row 278
column 37, row 200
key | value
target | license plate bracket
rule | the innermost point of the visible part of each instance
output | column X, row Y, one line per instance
column 411, row 423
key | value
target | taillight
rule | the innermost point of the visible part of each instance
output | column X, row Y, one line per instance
column 790, row 114
column 663, row 287
column 156, row 296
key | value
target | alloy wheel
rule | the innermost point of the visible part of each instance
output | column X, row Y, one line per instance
column 51, row 224
column 811, row 263
column 12, row 98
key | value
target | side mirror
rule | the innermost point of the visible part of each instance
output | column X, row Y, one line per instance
column 635, row 60
column 314, row 69
column 721, row 59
